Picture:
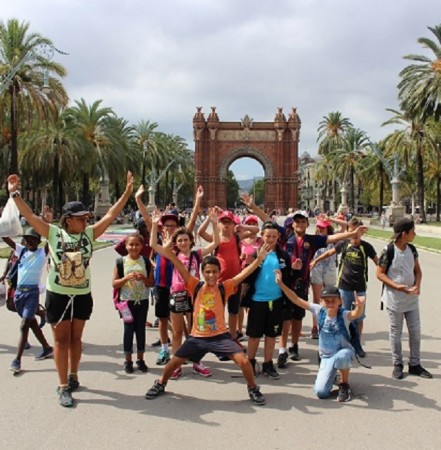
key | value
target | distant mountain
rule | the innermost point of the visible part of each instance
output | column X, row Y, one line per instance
column 246, row 185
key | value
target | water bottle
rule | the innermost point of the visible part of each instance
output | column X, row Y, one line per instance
column 125, row 312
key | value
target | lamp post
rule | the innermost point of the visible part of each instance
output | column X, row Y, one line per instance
column 154, row 180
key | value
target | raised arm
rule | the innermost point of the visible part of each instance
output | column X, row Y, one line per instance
column 203, row 230
column 248, row 270
column 359, row 308
column 249, row 203
column 101, row 226
column 333, row 238
column 216, row 237
column 154, row 236
column 196, row 208
column 325, row 255
column 9, row 242
column 290, row 294
column 39, row 225
column 142, row 209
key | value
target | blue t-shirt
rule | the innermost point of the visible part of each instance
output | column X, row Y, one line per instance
column 266, row 288
column 31, row 266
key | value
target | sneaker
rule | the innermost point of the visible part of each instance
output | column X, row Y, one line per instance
column 256, row 396
column 141, row 365
column 270, row 371
column 65, row 397
column 360, row 352
column 163, row 357
column 157, row 389
column 223, row 358
column 419, row 371
column 201, row 370
column 344, row 392
column 45, row 353
column 128, row 366
column 294, row 350
column 177, row 373
column 73, row 383
column 314, row 333
column 27, row 346
column 15, row 366
column 397, row 373
column 240, row 337
column 282, row 359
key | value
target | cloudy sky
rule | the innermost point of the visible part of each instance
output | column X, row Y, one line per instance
column 158, row 60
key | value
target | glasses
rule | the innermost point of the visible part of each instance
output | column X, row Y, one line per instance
column 170, row 225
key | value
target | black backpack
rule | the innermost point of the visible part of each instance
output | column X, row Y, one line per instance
column 201, row 283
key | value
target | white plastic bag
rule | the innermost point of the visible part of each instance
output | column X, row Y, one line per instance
column 10, row 220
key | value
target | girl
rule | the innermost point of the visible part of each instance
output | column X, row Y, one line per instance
column 322, row 273
column 134, row 288
column 182, row 242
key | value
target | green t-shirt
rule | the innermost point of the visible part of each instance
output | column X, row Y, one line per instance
column 69, row 269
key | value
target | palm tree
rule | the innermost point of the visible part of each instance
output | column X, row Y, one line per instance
column 146, row 144
column 331, row 130
column 25, row 99
column 420, row 85
column 411, row 141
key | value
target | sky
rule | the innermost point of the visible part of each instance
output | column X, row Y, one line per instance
column 158, row 60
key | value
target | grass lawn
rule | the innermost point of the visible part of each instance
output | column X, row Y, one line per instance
column 430, row 243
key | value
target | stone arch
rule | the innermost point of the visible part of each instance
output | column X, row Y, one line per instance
column 273, row 144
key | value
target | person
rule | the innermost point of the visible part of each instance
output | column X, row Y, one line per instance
column 68, row 292
column 265, row 316
column 182, row 242
column 209, row 333
column 164, row 269
column 400, row 272
column 352, row 271
column 335, row 351
column 134, row 284
column 323, row 273
column 383, row 219
column 31, row 262
column 228, row 252
column 141, row 228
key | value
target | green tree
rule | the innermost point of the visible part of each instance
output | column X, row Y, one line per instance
column 331, row 132
column 25, row 100
column 258, row 191
column 233, row 197
column 420, row 85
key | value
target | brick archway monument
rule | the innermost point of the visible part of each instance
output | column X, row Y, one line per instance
column 273, row 144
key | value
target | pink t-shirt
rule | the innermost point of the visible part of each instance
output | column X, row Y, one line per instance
column 178, row 284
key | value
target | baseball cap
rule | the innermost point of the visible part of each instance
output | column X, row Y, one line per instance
column 226, row 215
column 30, row 232
column 402, row 224
column 323, row 223
column 329, row 291
column 300, row 213
column 250, row 218
column 168, row 216
column 74, row 209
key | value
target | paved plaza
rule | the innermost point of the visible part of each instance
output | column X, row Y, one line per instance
column 215, row 413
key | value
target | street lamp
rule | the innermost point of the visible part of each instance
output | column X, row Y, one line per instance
column 154, row 182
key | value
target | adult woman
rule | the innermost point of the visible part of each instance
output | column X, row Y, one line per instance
column 68, row 295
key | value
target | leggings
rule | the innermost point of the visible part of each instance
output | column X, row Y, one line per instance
column 137, row 327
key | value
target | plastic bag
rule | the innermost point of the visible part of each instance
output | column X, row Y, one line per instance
column 10, row 220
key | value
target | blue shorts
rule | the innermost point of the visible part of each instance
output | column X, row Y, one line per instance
column 26, row 300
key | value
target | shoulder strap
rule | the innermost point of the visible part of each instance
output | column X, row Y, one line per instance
column 148, row 265
column 120, row 266
column 390, row 252
column 201, row 283
column 321, row 318
column 341, row 324
column 413, row 249
column 222, row 291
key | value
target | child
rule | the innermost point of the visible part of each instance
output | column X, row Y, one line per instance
column 182, row 241
column 352, row 270
column 134, row 288
column 27, row 294
column 209, row 333
column 401, row 274
column 335, row 351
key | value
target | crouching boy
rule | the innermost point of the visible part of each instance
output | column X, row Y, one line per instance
column 209, row 333
column 335, row 351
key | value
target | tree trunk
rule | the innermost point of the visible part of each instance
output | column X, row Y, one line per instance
column 13, row 168
column 420, row 182
column 381, row 188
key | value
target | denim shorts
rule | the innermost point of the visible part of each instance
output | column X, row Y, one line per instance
column 326, row 276
column 26, row 300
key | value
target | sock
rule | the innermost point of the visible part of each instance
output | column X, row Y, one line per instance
column 164, row 347
column 282, row 350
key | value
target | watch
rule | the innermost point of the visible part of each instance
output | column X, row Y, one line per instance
column 15, row 194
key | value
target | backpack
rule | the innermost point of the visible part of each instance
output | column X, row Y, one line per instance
column 120, row 269
column 12, row 275
column 343, row 255
column 351, row 334
column 238, row 244
column 201, row 283
column 390, row 253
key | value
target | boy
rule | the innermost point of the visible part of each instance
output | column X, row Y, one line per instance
column 400, row 272
column 335, row 351
column 27, row 293
column 209, row 333
column 352, row 270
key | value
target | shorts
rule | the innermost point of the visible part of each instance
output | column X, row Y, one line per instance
column 348, row 302
column 162, row 299
column 234, row 302
column 326, row 276
column 292, row 311
column 195, row 348
column 180, row 302
column 265, row 318
column 26, row 300
column 58, row 308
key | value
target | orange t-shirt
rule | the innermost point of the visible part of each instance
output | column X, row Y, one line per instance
column 208, row 308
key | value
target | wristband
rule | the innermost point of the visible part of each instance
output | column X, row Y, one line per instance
column 14, row 194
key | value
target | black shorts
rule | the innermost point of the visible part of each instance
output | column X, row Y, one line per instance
column 265, row 319
column 162, row 299
column 292, row 311
column 195, row 348
column 233, row 303
column 57, row 307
